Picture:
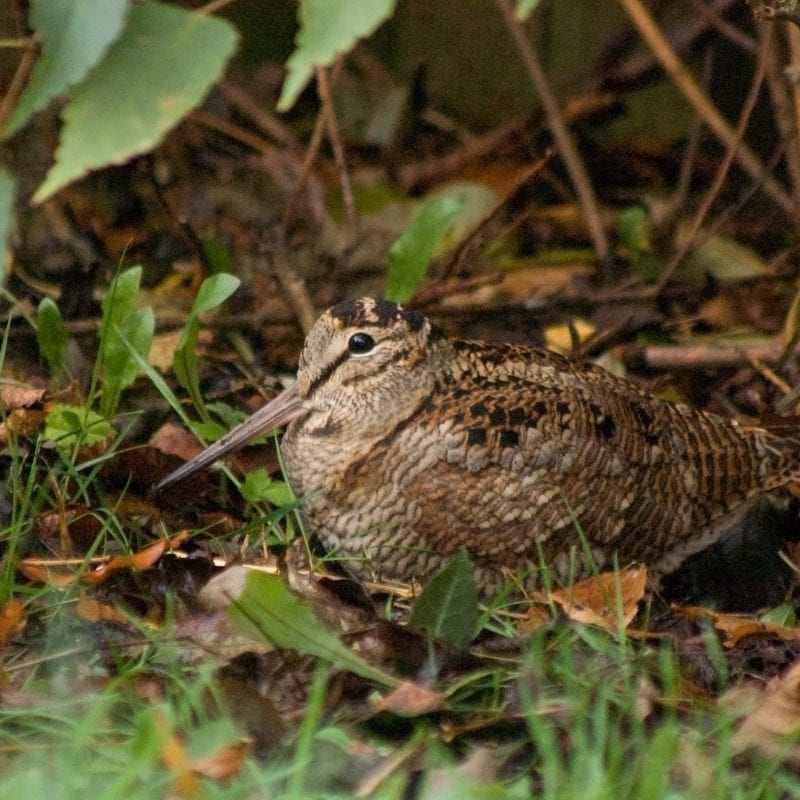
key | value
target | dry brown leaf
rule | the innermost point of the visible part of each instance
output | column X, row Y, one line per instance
column 162, row 350
column 594, row 601
column 224, row 764
column 774, row 720
column 537, row 616
column 410, row 699
column 185, row 783
column 13, row 396
column 175, row 440
column 41, row 572
column 737, row 626
column 560, row 337
column 91, row 610
column 12, row 619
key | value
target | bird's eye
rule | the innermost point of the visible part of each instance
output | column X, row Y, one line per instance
column 360, row 343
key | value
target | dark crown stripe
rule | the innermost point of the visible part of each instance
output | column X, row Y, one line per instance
column 375, row 313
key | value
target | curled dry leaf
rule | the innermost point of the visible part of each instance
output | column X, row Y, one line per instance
column 13, row 397
column 776, row 718
column 42, row 572
column 175, row 440
column 92, row 610
column 410, row 699
column 12, row 619
column 224, row 764
column 736, row 627
column 595, row 601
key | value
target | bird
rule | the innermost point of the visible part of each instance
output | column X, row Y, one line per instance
column 407, row 446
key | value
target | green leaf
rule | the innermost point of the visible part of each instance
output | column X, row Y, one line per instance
column 70, row 425
column 123, row 326
column 75, row 35
column 266, row 609
column 216, row 289
column 159, row 69
column 410, row 256
column 258, row 486
column 525, row 8
column 7, row 189
column 327, row 28
column 52, row 337
column 783, row 615
column 448, row 606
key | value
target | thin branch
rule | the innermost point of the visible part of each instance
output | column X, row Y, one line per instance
column 697, row 98
column 326, row 98
column 785, row 110
column 724, row 167
column 560, row 132
column 29, row 53
column 267, row 123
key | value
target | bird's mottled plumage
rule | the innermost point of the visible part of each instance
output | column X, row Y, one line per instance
column 419, row 445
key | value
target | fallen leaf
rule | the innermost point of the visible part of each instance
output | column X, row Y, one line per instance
column 14, row 396
column 91, row 610
column 185, row 783
column 224, row 764
column 775, row 719
column 162, row 350
column 12, row 619
column 737, row 626
column 560, row 337
column 596, row 600
column 175, row 440
column 410, row 699
column 42, row 572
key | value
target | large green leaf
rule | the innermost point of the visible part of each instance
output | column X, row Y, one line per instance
column 216, row 289
column 159, row 69
column 75, row 35
column 448, row 606
column 327, row 28
column 267, row 609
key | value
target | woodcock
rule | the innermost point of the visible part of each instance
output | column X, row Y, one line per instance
column 408, row 445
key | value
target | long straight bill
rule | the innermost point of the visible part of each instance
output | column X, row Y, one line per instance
column 280, row 411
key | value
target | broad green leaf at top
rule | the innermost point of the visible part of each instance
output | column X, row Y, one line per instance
column 159, row 69
column 75, row 35
column 328, row 28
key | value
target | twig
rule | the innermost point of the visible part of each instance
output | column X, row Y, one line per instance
column 312, row 151
column 324, row 92
column 484, row 229
column 235, row 132
column 697, row 98
column 305, row 170
column 294, row 286
column 723, row 27
column 722, row 171
column 29, row 52
column 213, row 7
column 702, row 356
column 561, row 134
column 265, row 121
column 785, row 110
